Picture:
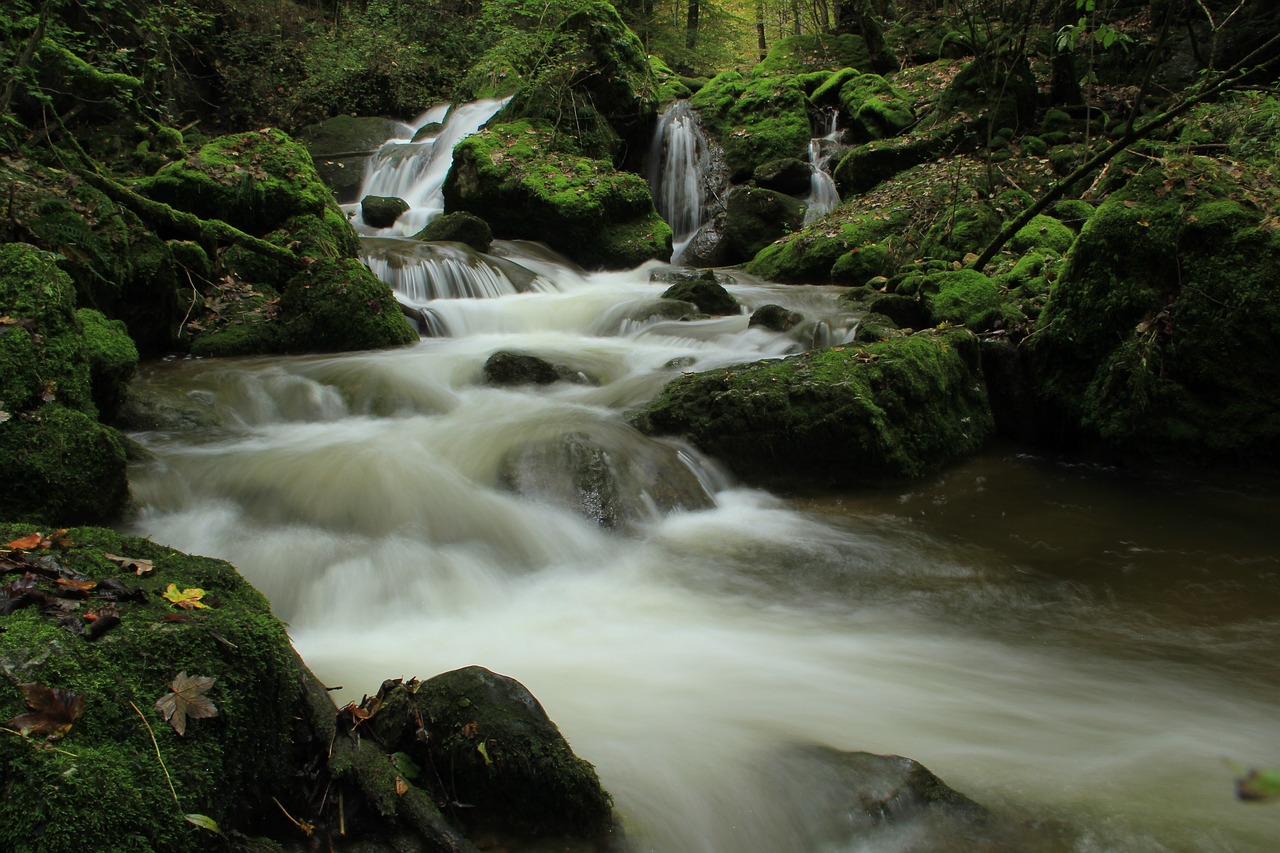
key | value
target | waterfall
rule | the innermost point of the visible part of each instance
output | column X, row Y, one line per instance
column 414, row 170
column 678, row 160
column 823, row 196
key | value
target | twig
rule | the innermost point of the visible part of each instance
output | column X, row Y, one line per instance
column 159, row 757
column 38, row 745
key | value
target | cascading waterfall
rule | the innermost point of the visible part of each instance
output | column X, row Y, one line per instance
column 677, row 172
column 823, row 195
column 1050, row 640
column 414, row 170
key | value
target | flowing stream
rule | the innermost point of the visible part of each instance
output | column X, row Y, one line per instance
column 1070, row 645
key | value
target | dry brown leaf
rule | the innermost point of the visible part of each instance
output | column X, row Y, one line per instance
column 53, row 711
column 142, row 568
column 187, row 699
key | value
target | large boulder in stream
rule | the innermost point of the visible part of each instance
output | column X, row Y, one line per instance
column 884, row 412
column 755, row 117
column 1162, row 337
column 340, row 146
column 511, row 176
column 177, row 706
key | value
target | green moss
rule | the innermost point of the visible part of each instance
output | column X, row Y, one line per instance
column 966, row 298
column 755, row 217
column 876, row 110
column 820, row 52
column 510, row 176
column 59, row 466
column 860, row 265
column 670, row 86
column 866, row 166
column 1034, row 146
column 337, row 305
column 108, row 784
column 253, row 181
column 42, row 348
column 1073, row 213
column 992, row 91
column 112, row 360
column 887, row 411
column 1161, row 336
column 460, row 227
column 1044, row 233
column 810, row 255
column 828, row 92
column 756, row 118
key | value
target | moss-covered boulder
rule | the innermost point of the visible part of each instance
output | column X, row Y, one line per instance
column 788, row 175
column 814, row 254
column 506, row 368
column 991, row 92
column 380, row 211
column 340, row 146
column 870, row 164
column 704, row 292
column 966, row 298
column 1043, row 233
column 254, row 181
column 875, row 109
column 1162, row 337
column 112, row 360
column 755, row 217
column 459, row 227
column 756, row 118
column 337, row 305
column 776, row 318
column 511, row 176
column 504, row 757
column 60, row 466
column 883, row 412
column 798, row 54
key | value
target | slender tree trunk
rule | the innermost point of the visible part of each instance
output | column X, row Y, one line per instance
column 761, row 41
column 691, row 30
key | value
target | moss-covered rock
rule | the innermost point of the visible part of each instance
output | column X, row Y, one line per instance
column 504, row 757
column 776, row 317
column 511, row 176
column 788, row 175
column 1161, row 337
column 868, row 165
column 671, row 86
column 380, row 211
column 254, row 181
column 818, row 52
column 459, row 227
column 337, row 305
column 42, row 344
column 1044, row 233
column 59, row 466
column 874, row 108
column 756, row 118
column 990, row 93
column 966, row 298
column 755, row 217
column 883, row 412
column 112, row 360
column 704, row 292
column 340, row 146
column 508, row 368
column 810, row 255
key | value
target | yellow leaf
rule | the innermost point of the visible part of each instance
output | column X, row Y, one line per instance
column 187, row 599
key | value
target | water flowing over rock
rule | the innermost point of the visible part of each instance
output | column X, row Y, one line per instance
column 823, row 151
column 420, row 272
column 679, row 168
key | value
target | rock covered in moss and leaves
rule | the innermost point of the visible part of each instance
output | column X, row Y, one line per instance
column 883, row 412
column 511, row 176
column 755, row 117
column 106, row 778
column 517, row 368
column 875, row 110
column 993, row 91
column 504, row 757
column 112, row 360
column 811, row 255
column 966, row 298
column 775, row 317
column 1161, row 338
column 1043, row 232
column 459, row 227
column 337, row 305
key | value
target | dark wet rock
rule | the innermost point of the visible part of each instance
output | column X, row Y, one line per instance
column 775, row 317
column 482, row 739
column 906, row 312
column 756, row 217
column 382, row 211
column 704, row 291
column 427, row 131
column 516, row 368
column 460, row 227
column 613, row 478
column 787, row 175
column 340, row 146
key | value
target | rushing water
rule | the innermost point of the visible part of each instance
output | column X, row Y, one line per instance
column 823, row 195
column 1066, row 644
column 678, row 163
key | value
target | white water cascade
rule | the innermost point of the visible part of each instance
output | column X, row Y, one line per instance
column 823, row 196
column 415, row 170
column 678, row 160
column 1066, row 645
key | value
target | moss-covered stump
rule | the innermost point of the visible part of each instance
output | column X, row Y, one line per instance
column 884, row 412
column 756, row 118
column 254, row 181
column 338, row 305
column 1162, row 337
column 495, row 749
column 755, row 217
column 459, row 227
column 104, row 779
column 511, row 176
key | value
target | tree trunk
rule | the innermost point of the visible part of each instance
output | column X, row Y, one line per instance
column 691, row 30
column 762, row 42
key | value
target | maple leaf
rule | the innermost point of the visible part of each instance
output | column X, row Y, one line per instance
column 187, row 599
column 25, row 543
column 187, row 699
column 53, row 711
column 142, row 568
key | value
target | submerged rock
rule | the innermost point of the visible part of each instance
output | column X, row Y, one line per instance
column 518, row 368
column 775, row 317
column 705, row 292
column 381, row 211
column 460, row 227
column 883, row 412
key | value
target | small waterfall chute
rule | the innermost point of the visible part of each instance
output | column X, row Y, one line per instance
column 415, row 170
column 823, row 195
column 678, row 163
column 419, row 272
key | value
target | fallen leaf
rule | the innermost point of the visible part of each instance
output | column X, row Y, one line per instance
column 204, row 822
column 484, row 752
column 470, row 730
column 187, row 699
column 187, row 599
column 402, row 787
column 53, row 711
column 26, row 543
column 142, row 568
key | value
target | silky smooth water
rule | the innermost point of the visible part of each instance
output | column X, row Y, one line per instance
column 1063, row 643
